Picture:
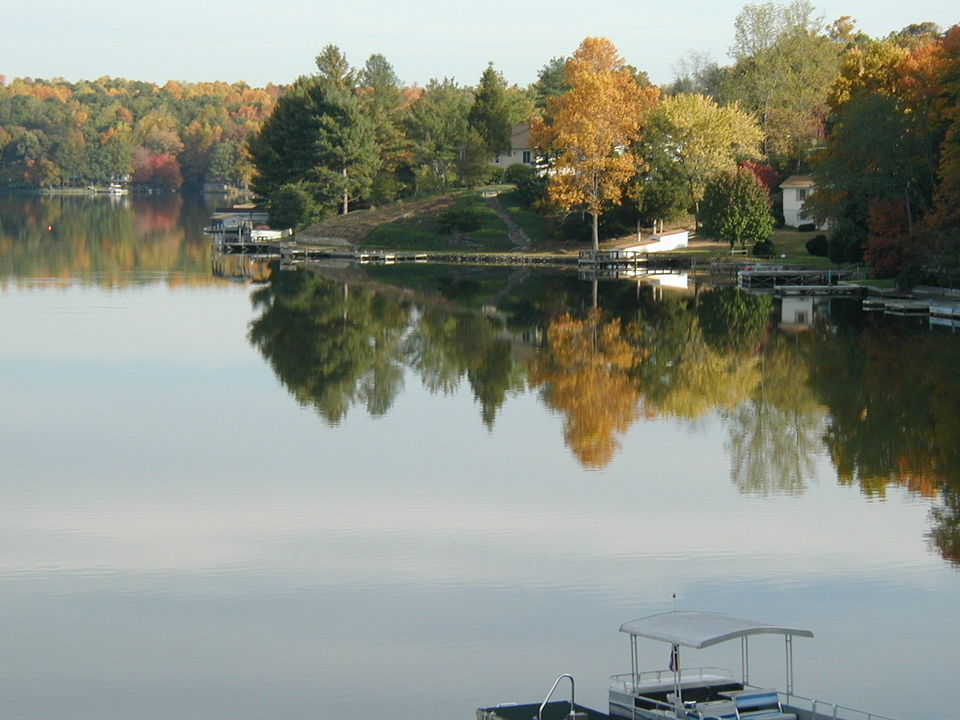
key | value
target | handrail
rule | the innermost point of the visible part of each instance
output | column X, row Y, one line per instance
column 549, row 694
column 832, row 710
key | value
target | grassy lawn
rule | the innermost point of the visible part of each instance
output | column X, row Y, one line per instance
column 792, row 243
column 534, row 225
column 424, row 232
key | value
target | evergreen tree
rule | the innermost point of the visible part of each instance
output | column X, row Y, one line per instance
column 382, row 100
column 318, row 135
column 490, row 114
column 550, row 81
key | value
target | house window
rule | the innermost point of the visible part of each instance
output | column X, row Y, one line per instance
column 526, row 157
column 801, row 194
column 801, row 317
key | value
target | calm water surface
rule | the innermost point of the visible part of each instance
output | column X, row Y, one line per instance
column 230, row 490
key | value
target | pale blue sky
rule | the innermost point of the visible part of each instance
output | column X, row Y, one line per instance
column 264, row 42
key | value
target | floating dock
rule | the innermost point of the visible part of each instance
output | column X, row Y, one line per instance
column 940, row 310
column 771, row 278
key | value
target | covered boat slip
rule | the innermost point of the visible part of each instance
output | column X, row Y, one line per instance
column 711, row 693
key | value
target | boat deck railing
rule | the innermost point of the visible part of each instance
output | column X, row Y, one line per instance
column 630, row 682
column 820, row 710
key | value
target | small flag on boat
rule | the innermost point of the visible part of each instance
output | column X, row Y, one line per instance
column 675, row 658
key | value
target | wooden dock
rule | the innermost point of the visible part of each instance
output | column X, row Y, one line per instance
column 770, row 278
column 843, row 290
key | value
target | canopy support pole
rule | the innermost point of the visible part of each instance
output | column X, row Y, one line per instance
column 675, row 663
column 744, row 660
column 788, row 643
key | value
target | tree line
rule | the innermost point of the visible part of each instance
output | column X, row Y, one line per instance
column 872, row 119
column 54, row 133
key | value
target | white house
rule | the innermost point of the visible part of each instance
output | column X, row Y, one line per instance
column 795, row 191
column 521, row 150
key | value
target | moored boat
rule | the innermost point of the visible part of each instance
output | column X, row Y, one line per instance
column 706, row 693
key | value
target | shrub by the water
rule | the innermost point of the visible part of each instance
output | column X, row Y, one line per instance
column 818, row 245
column 764, row 248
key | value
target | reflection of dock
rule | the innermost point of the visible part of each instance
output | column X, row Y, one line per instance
column 241, row 267
column 363, row 257
column 607, row 264
column 943, row 308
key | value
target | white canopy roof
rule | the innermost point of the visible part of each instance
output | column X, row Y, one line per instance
column 701, row 629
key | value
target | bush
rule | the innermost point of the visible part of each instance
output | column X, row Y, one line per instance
column 764, row 248
column 518, row 173
column 806, row 227
column 532, row 189
column 818, row 246
column 459, row 218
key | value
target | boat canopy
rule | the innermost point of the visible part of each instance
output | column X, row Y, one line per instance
column 702, row 629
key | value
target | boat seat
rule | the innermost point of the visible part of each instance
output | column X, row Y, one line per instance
column 759, row 705
column 714, row 710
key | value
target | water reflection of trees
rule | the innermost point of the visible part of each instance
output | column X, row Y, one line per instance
column 893, row 398
column 106, row 240
column 337, row 345
column 332, row 345
column 584, row 373
column 880, row 399
column 776, row 434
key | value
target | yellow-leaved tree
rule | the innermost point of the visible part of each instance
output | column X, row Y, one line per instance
column 589, row 130
column 701, row 139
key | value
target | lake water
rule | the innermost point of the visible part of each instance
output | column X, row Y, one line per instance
column 239, row 491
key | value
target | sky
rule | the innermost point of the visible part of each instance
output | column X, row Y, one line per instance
column 261, row 42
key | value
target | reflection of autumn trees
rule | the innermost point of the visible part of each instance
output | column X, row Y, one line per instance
column 775, row 435
column 945, row 535
column 691, row 371
column 892, row 394
column 103, row 240
column 584, row 372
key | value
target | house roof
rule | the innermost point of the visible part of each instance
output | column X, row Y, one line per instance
column 520, row 135
column 798, row 181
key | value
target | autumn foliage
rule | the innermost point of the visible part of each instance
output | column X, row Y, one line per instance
column 589, row 130
column 584, row 373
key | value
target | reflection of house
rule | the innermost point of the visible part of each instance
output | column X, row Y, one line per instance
column 797, row 312
column 520, row 148
column 795, row 191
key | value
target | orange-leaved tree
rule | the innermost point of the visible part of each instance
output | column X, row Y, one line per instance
column 589, row 130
